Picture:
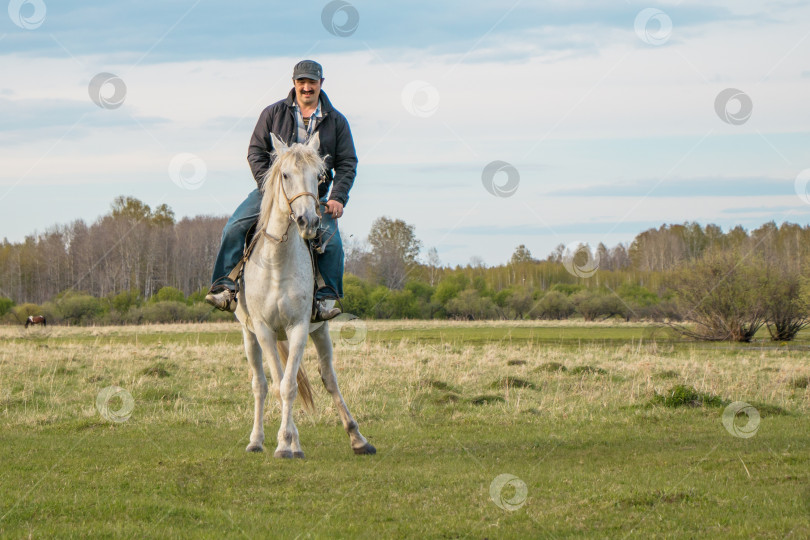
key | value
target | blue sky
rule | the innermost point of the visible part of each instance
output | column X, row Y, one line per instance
column 606, row 111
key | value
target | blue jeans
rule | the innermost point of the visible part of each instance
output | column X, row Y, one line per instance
column 330, row 262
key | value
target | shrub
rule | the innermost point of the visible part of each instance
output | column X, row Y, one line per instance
column 637, row 294
column 168, row 294
column 379, row 308
column 516, row 301
column 787, row 304
column 449, row 287
column 639, row 302
column 23, row 311
column 554, row 305
column 594, row 305
column 356, row 296
column 420, row 290
column 77, row 308
column 722, row 294
column 567, row 288
column 402, row 305
column 125, row 300
column 159, row 312
column 112, row 318
column 200, row 312
column 5, row 305
column 470, row 305
column 197, row 296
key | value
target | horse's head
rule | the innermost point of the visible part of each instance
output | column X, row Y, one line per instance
column 299, row 167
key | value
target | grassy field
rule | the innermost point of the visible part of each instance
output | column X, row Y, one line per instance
column 483, row 430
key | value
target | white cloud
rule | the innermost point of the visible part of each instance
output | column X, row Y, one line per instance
column 565, row 117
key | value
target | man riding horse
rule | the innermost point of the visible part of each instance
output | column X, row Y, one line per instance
column 304, row 112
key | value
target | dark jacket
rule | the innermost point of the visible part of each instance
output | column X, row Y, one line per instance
column 337, row 146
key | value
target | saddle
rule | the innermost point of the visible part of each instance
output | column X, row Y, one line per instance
column 252, row 239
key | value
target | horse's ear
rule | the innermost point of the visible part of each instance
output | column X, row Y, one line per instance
column 315, row 142
column 278, row 145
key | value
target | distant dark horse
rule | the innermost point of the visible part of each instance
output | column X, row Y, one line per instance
column 36, row 319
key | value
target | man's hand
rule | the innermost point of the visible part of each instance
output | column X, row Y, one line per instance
column 334, row 209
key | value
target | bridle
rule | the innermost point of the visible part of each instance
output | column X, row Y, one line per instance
column 289, row 201
column 294, row 197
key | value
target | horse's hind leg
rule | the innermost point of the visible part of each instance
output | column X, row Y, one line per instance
column 323, row 343
column 259, row 384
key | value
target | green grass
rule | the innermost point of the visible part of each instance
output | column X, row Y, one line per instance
column 685, row 396
column 600, row 455
column 587, row 370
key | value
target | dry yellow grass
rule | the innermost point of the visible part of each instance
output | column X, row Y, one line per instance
column 51, row 374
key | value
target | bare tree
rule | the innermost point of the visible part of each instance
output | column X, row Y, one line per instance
column 433, row 263
column 358, row 258
column 394, row 249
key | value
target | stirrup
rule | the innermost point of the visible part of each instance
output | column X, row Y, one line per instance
column 224, row 300
column 320, row 313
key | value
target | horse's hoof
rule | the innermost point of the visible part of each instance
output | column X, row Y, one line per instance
column 298, row 455
column 365, row 450
column 284, row 454
column 254, row 448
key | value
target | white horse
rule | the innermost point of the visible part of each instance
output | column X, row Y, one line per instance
column 275, row 303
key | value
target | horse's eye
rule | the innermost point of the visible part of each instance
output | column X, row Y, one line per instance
column 284, row 176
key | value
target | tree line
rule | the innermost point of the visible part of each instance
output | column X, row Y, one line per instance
column 132, row 248
column 136, row 264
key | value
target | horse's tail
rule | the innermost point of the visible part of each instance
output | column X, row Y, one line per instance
column 304, row 388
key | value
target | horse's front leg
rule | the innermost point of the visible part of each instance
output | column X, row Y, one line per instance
column 323, row 343
column 259, row 384
column 269, row 346
column 288, row 444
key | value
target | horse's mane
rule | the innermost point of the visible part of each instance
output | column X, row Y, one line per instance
column 304, row 157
